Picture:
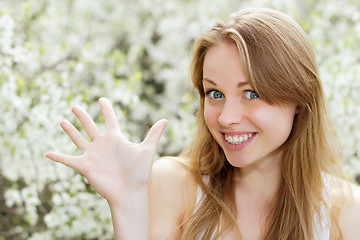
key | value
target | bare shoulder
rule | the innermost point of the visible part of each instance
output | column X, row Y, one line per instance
column 169, row 166
column 171, row 174
column 171, row 190
column 349, row 212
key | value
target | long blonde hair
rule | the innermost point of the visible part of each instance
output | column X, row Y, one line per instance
column 280, row 65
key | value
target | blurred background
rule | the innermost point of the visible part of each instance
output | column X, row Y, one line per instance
column 56, row 54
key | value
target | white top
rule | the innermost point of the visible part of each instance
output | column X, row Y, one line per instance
column 322, row 222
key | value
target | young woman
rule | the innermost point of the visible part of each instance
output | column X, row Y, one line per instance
column 265, row 163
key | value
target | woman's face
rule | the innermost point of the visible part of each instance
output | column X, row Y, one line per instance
column 249, row 130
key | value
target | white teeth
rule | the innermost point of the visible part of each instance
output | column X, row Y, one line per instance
column 235, row 140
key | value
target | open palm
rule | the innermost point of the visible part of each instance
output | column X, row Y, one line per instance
column 112, row 165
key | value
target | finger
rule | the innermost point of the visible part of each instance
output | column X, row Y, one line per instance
column 68, row 160
column 111, row 122
column 155, row 132
column 78, row 139
column 87, row 122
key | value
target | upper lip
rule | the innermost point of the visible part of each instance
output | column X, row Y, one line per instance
column 237, row 133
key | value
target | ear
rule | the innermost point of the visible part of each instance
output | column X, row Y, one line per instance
column 297, row 109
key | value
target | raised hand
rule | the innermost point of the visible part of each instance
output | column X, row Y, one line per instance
column 112, row 165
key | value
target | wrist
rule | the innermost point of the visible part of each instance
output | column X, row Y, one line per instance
column 129, row 198
column 130, row 215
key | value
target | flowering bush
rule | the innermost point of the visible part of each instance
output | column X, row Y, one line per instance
column 56, row 54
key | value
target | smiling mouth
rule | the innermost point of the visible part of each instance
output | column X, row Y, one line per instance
column 235, row 140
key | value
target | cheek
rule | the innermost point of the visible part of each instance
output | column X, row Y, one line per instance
column 276, row 121
column 210, row 115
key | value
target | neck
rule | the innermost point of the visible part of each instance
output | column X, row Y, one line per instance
column 261, row 181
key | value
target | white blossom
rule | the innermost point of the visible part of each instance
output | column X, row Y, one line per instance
column 57, row 54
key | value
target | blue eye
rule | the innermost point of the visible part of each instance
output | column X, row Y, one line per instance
column 251, row 95
column 214, row 94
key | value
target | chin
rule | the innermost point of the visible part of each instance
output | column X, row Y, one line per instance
column 237, row 161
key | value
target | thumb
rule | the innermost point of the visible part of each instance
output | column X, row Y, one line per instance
column 155, row 132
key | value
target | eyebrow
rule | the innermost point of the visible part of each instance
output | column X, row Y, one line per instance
column 240, row 84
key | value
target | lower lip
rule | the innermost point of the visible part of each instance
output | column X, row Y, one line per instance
column 240, row 146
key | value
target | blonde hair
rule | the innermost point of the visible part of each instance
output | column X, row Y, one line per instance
column 280, row 65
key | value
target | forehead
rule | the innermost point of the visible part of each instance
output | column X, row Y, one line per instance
column 223, row 63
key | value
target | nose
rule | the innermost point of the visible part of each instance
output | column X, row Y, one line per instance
column 232, row 113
